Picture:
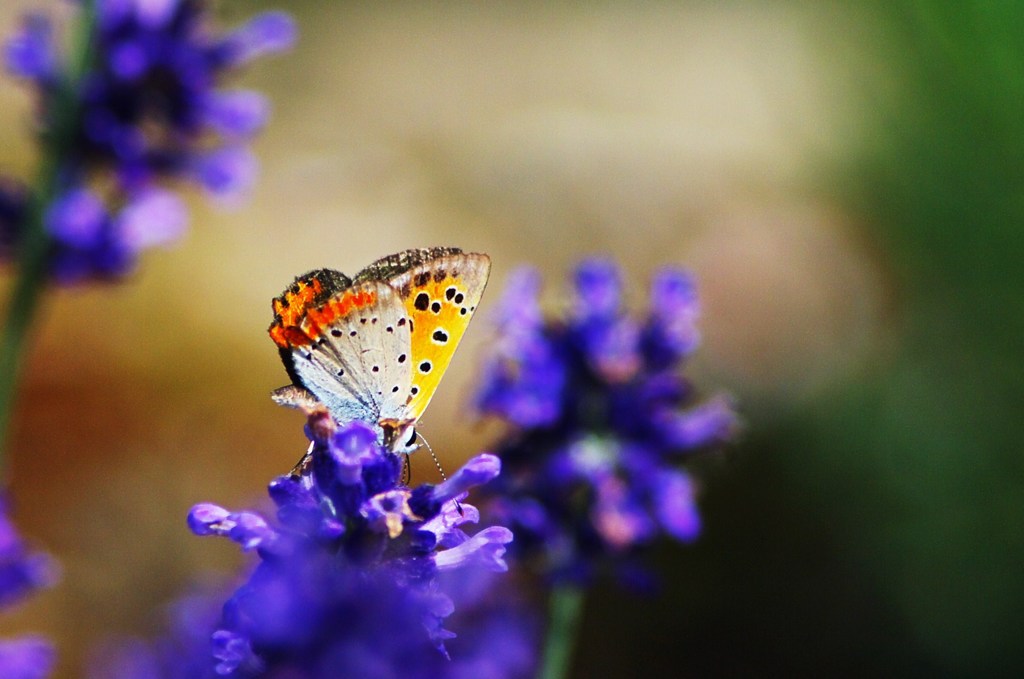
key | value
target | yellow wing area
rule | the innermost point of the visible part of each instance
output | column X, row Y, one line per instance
column 440, row 297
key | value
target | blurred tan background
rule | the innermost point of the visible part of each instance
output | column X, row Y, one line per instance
column 665, row 133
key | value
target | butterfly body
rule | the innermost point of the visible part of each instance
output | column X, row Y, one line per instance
column 374, row 347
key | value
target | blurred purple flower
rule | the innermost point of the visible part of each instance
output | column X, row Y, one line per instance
column 22, row 572
column 30, row 54
column 148, row 108
column 348, row 578
column 497, row 636
column 25, row 658
column 599, row 418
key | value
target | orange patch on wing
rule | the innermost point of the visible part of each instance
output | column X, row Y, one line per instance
column 299, row 322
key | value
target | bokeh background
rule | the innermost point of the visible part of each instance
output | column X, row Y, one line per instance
column 846, row 179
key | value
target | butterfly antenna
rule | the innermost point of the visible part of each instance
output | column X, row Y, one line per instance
column 440, row 469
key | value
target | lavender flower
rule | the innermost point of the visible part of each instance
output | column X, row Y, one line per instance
column 348, row 578
column 140, row 107
column 22, row 572
column 25, row 658
column 497, row 638
column 599, row 420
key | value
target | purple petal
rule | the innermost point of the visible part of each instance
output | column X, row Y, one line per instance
column 477, row 471
column 675, row 506
column 613, row 349
column 128, row 59
column 111, row 12
column 30, row 52
column 153, row 218
column 155, row 14
column 484, row 549
column 598, row 288
column 387, row 511
column 710, row 423
column 250, row 530
column 226, row 172
column 232, row 650
column 445, row 525
column 619, row 516
column 76, row 218
column 675, row 309
column 439, row 606
column 263, row 34
column 236, row 114
column 209, row 519
column 350, row 448
column 519, row 310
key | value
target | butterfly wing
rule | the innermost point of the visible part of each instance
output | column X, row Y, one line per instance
column 348, row 344
column 440, row 289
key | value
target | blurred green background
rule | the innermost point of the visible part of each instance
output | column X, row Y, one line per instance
column 847, row 180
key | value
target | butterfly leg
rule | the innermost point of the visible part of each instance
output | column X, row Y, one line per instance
column 302, row 467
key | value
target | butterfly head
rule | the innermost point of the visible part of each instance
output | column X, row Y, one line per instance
column 399, row 435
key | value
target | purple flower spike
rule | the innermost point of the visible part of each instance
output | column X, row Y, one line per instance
column 526, row 376
column 26, row 658
column 599, row 417
column 149, row 110
column 347, row 580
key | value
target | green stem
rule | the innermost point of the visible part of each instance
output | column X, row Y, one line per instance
column 565, row 609
column 33, row 253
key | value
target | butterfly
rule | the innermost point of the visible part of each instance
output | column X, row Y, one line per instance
column 374, row 347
